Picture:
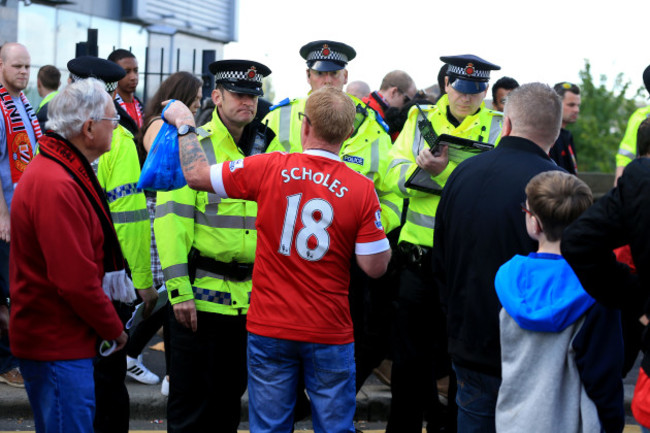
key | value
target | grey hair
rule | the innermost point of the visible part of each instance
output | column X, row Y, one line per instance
column 78, row 102
column 536, row 110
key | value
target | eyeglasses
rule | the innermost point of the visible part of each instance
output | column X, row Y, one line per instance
column 525, row 209
column 114, row 120
column 406, row 97
column 302, row 116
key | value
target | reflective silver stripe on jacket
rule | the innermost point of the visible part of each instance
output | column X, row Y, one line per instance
column 626, row 153
column 284, row 134
column 495, row 129
column 392, row 206
column 374, row 160
column 225, row 221
column 175, row 271
column 172, row 207
column 132, row 216
column 213, row 199
column 401, row 182
column 420, row 219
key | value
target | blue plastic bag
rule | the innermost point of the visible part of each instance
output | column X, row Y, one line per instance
column 162, row 169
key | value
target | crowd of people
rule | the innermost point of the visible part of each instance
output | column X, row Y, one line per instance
column 447, row 246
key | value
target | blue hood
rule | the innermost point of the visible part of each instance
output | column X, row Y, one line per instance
column 541, row 292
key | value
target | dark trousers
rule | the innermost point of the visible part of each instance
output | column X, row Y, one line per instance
column 111, row 395
column 144, row 332
column 208, row 374
column 419, row 352
column 370, row 309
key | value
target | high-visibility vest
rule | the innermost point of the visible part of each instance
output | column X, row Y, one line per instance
column 483, row 126
column 220, row 229
column 118, row 171
column 366, row 152
column 627, row 149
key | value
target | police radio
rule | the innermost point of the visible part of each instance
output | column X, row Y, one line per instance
column 427, row 132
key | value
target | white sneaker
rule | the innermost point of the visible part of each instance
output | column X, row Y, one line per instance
column 164, row 388
column 135, row 369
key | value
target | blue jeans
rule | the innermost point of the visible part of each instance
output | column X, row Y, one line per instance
column 645, row 429
column 477, row 400
column 273, row 368
column 61, row 393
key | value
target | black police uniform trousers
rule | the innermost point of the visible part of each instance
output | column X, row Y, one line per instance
column 111, row 396
column 207, row 374
column 419, row 355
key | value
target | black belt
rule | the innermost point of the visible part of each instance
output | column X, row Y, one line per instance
column 233, row 270
column 415, row 256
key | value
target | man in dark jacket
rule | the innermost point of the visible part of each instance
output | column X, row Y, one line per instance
column 618, row 218
column 479, row 226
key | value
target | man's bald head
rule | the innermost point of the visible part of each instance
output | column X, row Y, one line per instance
column 12, row 48
column 15, row 66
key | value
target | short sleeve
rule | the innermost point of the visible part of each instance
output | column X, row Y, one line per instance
column 241, row 178
column 371, row 238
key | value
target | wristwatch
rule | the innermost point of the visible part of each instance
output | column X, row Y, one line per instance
column 185, row 129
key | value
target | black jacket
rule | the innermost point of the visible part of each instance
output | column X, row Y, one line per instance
column 620, row 217
column 480, row 226
column 563, row 152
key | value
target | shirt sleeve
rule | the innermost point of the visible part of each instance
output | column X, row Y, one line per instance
column 371, row 238
column 241, row 178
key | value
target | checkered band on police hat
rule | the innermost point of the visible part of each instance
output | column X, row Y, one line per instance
column 327, row 53
column 110, row 87
column 250, row 75
column 469, row 71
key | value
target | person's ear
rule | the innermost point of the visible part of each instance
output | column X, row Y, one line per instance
column 506, row 129
column 217, row 96
column 87, row 129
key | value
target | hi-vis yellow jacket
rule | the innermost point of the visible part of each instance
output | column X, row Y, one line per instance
column 627, row 149
column 118, row 171
column 366, row 152
column 484, row 126
column 220, row 229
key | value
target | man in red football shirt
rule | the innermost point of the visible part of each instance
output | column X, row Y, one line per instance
column 314, row 215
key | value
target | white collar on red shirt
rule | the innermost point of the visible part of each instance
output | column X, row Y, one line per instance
column 323, row 153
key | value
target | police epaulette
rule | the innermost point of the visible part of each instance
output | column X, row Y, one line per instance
column 285, row 101
column 381, row 121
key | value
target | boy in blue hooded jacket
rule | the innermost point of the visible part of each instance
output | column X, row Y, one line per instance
column 561, row 351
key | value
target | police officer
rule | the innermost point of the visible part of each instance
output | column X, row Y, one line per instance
column 366, row 152
column 419, row 321
column 627, row 151
column 118, row 171
column 207, row 248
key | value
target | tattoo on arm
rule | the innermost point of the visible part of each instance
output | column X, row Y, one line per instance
column 192, row 155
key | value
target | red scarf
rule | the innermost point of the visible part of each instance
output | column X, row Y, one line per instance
column 61, row 151
column 19, row 148
column 138, row 109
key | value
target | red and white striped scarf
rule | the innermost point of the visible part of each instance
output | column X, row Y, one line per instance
column 138, row 108
column 19, row 148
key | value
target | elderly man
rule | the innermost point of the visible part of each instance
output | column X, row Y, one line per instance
column 331, row 215
column 64, row 252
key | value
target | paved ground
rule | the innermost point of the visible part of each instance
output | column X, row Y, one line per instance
column 148, row 406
